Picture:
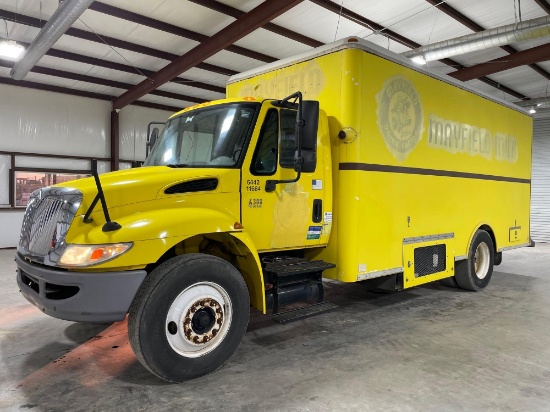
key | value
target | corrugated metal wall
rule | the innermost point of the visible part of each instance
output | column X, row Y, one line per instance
column 540, row 184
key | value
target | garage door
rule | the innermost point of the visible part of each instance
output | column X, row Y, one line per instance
column 540, row 184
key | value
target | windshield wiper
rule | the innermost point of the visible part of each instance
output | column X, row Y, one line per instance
column 178, row 165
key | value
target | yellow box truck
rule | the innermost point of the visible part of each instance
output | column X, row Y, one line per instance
column 346, row 162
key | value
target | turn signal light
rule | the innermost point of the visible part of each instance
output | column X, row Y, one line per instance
column 88, row 255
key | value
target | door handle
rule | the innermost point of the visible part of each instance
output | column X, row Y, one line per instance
column 317, row 211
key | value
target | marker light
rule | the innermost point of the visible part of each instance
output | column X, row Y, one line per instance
column 88, row 255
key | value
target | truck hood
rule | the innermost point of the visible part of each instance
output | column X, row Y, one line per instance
column 143, row 184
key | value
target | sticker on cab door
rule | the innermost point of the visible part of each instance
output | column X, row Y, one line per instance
column 317, row 184
column 314, row 232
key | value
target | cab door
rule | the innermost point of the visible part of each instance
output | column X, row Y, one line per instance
column 292, row 215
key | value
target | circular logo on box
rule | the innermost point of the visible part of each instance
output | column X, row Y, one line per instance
column 400, row 116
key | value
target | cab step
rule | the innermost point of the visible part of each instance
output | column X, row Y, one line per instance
column 290, row 280
column 302, row 313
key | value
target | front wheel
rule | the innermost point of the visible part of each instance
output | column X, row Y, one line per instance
column 475, row 272
column 188, row 317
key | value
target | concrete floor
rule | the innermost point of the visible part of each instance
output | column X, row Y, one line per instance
column 430, row 348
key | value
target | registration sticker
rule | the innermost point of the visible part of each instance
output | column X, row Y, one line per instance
column 314, row 232
column 317, row 184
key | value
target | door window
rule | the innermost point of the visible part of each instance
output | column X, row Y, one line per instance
column 288, row 138
column 265, row 157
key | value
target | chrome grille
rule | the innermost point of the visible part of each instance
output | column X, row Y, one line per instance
column 49, row 214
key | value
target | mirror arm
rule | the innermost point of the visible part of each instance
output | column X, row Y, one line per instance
column 271, row 184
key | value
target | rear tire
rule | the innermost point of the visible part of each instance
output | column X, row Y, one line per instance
column 475, row 272
column 449, row 282
column 189, row 317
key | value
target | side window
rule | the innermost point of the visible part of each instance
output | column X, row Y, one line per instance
column 288, row 142
column 265, row 156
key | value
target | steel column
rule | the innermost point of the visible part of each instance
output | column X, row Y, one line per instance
column 115, row 140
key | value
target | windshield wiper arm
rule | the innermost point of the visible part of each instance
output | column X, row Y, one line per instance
column 178, row 165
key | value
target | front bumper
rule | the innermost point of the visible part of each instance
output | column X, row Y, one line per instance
column 99, row 297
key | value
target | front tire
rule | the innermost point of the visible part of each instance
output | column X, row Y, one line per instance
column 475, row 272
column 189, row 317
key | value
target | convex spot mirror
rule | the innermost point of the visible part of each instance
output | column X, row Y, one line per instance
column 308, row 140
column 153, row 137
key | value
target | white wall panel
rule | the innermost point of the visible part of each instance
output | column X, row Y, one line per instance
column 103, row 167
column 5, row 164
column 45, row 122
column 133, row 122
column 10, row 222
column 51, row 163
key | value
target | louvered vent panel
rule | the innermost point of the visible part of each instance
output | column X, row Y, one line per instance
column 200, row 185
column 540, row 183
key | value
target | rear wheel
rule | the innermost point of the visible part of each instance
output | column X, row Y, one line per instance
column 475, row 272
column 449, row 282
column 189, row 317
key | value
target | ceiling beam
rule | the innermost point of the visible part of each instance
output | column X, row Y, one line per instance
column 522, row 58
column 272, row 27
column 94, row 61
column 172, row 29
column 363, row 21
column 104, row 82
column 129, row 69
column 81, row 93
column 350, row 15
column 241, row 27
column 544, row 5
column 472, row 25
column 111, row 41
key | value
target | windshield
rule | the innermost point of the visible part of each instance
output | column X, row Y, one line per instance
column 209, row 137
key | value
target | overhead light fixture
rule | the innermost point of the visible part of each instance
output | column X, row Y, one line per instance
column 539, row 105
column 419, row 60
column 532, row 111
column 10, row 49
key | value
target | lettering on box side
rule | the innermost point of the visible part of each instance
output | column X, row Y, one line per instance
column 456, row 137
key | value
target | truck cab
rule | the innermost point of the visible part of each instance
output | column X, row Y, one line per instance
column 230, row 188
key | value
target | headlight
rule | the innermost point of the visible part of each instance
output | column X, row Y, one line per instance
column 88, row 255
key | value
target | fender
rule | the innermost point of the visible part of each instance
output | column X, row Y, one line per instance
column 251, row 269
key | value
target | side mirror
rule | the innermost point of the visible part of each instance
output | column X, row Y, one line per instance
column 152, row 140
column 308, row 138
column 307, row 122
column 152, row 136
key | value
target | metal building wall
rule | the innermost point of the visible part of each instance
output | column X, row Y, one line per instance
column 540, row 183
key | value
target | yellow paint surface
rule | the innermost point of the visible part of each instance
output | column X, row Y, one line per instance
column 373, row 211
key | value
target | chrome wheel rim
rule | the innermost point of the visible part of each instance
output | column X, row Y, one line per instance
column 198, row 319
column 482, row 260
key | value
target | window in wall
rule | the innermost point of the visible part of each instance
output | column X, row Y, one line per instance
column 28, row 182
column 288, row 140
